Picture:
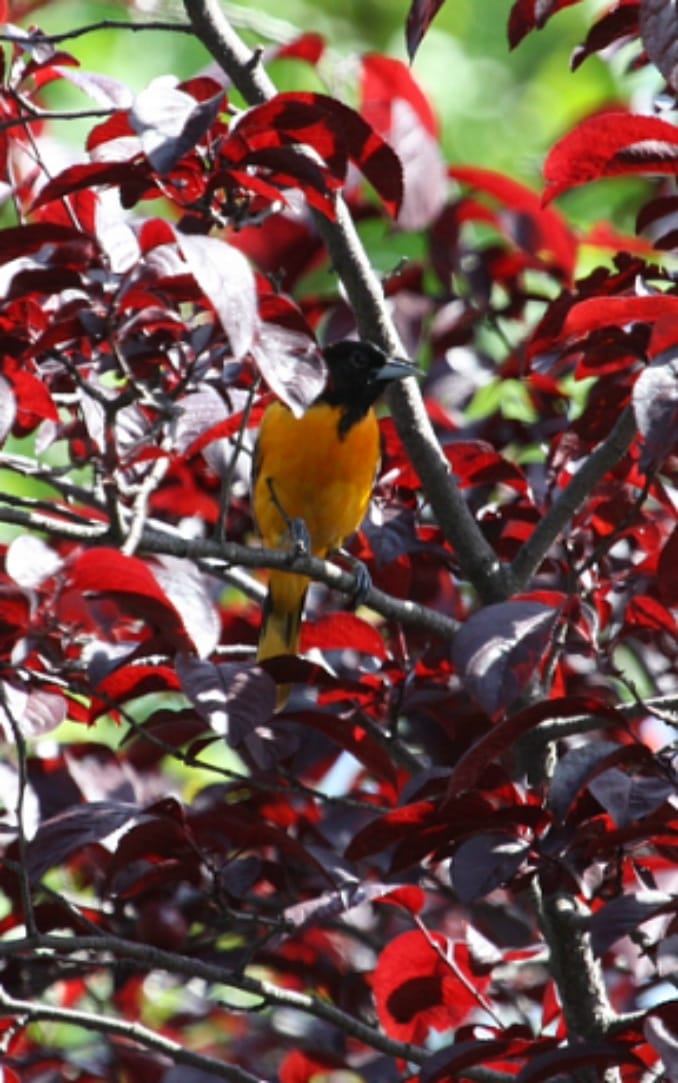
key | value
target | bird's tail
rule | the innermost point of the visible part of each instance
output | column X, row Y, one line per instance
column 281, row 624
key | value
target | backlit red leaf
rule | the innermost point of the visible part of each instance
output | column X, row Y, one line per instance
column 416, row 988
column 608, row 145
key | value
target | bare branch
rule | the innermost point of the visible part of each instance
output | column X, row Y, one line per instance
column 134, row 1032
column 38, row 37
column 224, row 555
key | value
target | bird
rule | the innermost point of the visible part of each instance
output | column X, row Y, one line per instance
column 314, row 475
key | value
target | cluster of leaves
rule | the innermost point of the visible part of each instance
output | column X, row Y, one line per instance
column 380, row 848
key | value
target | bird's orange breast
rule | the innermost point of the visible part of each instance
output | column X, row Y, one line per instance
column 316, row 474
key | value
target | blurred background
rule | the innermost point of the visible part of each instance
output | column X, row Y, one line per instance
column 498, row 108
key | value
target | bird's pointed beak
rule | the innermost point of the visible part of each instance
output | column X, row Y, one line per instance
column 396, row 369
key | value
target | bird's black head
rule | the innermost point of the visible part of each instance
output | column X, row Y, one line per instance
column 357, row 374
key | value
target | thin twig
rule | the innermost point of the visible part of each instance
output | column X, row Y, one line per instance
column 130, row 1031
column 38, row 37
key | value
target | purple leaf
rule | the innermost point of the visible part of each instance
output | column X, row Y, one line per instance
column 226, row 279
column 664, row 1039
column 44, row 712
column 655, row 404
column 572, row 771
column 498, row 649
column 102, row 89
column 563, row 1062
column 236, row 702
column 291, row 365
column 484, row 862
column 629, row 799
column 623, row 915
column 170, row 122
column 59, row 837
column 659, row 32
column 187, row 590
column 419, row 18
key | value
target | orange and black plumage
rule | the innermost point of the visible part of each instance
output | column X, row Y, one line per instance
column 318, row 469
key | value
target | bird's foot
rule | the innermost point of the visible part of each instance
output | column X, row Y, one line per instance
column 363, row 579
column 300, row 539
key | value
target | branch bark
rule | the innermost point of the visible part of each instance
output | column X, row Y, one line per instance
column 215, row 556
column 477, row 558
column 130, row 1031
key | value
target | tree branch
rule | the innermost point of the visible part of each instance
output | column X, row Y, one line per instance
column 39, row 37
column 224, row 554
column 577, row 974
column 594, row 468
column 477, row 558
column 131, row 1031
column 181, row 965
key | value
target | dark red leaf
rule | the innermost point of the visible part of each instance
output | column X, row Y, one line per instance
column 419, row 18
column 300, row 1067
column 129, row 682
column 396, row 107
column 449, row 1063
column 90, row 175
column 644, row 611
column 615, row 26
column 130, row 581
column 343, row 631
column 598, row 312
column 550, row 237
column 528, row 15
column 309, row 47
column 354, row 738
column 498, row 649
column 667, row 570
column 502, row 736
column 391, row 828
column 332, row 129
column 659, row 33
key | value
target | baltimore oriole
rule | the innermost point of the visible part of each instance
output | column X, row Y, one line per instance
column 318, row 469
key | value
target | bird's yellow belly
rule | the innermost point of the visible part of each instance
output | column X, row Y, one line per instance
column 315, row 475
